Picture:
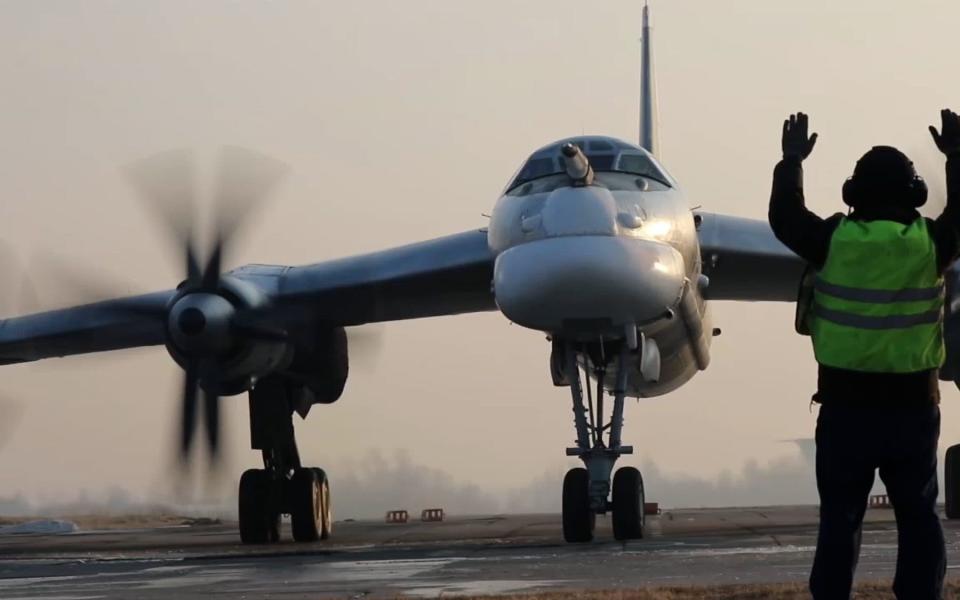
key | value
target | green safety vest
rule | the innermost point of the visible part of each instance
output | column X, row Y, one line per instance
column 878, row 300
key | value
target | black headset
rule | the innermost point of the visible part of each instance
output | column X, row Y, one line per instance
column 858, row 190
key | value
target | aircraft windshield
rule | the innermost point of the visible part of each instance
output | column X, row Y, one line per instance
column 604, row 154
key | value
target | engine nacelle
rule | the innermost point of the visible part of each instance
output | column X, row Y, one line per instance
column 320, row 363
column 201, row 325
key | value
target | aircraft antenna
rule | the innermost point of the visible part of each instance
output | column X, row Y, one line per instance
column 648, row 94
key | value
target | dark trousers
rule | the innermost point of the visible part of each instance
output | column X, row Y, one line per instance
column 900, row 441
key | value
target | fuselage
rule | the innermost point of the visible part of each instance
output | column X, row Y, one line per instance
column 588, row 262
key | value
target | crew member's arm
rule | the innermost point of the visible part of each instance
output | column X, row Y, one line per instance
column 792, row 222
column 947, row 225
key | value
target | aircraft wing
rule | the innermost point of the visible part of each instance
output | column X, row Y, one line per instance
column 444, row 276
column 97, row 327
column 745, row 261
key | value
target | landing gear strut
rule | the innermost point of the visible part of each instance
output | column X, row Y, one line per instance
column 586, row 490
column 283, row 486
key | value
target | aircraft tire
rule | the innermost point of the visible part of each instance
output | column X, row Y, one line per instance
column 628, row 504
column 259, row 520
column 326, row 504
column 578, row 519
column 951, row 482
column 306, row 510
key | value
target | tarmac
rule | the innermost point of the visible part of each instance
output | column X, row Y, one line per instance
column 459, row 556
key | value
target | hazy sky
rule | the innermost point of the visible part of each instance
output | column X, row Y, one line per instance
column 401, row 121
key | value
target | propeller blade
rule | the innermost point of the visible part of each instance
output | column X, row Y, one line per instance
column 194, row 274
column 246, row 179
column 211, row 273
column 211, row 411
column 192, row 408
column 71, row 285
column 365, row 344
column 191, row 386
column 167, row 185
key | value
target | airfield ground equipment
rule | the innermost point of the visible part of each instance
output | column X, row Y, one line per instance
column 432, row 515
column 397, row 516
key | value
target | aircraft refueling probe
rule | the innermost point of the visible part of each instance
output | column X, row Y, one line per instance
column 577, row 166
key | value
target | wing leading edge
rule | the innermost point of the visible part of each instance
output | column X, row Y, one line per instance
column 745, row 261
column 445, row 276
column 109, row 325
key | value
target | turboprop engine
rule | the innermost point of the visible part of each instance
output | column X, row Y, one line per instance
column 211, row 335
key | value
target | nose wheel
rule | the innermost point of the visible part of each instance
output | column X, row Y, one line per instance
column 579, row 518
column 629, row 517
column 587, row 490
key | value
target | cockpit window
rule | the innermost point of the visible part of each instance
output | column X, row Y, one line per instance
column 604, row 154
column 537, row 167
column 601, row 145
column 601, row 162
column 638, row 164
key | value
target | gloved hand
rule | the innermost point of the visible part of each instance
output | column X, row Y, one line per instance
column 948, row 139
column 795, row 142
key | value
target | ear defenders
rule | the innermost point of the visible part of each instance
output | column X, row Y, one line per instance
column 884, row 172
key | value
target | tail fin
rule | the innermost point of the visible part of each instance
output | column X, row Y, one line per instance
column 648, row 92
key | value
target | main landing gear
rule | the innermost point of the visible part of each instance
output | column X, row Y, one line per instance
column 283, row 486
column 586, row 490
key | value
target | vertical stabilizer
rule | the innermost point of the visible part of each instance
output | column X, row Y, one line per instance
column 648, row 92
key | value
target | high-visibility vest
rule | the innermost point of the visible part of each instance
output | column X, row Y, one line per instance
column 878, row 300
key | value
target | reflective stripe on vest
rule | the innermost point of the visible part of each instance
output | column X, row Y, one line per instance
column 879, row 296
column 878, row 300
column 865, row 322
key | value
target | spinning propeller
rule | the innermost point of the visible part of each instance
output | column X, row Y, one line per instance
column 221, row 330
column 206, row 320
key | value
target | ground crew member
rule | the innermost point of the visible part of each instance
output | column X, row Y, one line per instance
column 875, row 319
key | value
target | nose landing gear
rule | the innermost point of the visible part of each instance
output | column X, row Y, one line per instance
column 629, row 516
column 586, row 490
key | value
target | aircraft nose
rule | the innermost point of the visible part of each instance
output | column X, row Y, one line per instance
column 587, row 284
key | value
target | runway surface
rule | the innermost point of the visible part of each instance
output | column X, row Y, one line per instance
column 462, row 555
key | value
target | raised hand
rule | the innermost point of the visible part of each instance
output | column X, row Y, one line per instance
column 795, row 141
column 948, row 138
